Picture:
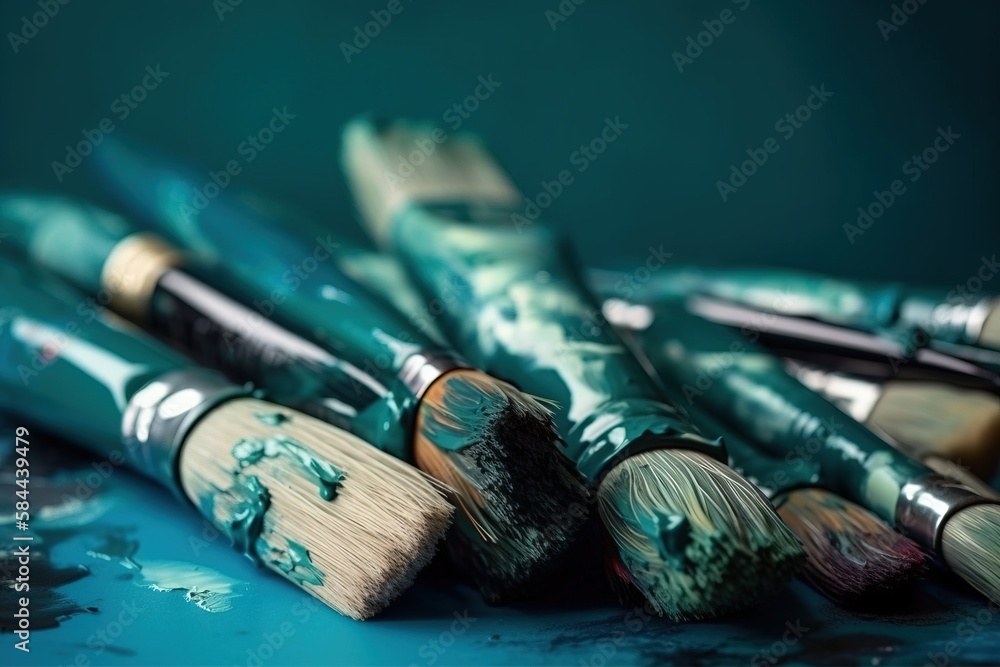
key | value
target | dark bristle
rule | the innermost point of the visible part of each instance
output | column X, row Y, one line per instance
column 853, row 557
column 529, row 501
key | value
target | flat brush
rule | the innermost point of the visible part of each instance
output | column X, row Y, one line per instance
column 957, row 317
column 697, row 538
column 324, row 345
column 942, row 425
column 343, row 521
column 747, row 386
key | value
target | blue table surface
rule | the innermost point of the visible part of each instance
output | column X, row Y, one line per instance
column 442, row 621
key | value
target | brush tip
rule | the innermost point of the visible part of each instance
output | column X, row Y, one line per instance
column 852, row 557
column 698, row 539
column 335, row 516
column 521, row 502
column 970, row 545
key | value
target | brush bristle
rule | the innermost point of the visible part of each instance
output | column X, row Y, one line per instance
column 459, row 169
column 989, row 336
column 852, row 556
column 698, row 539
column 520, row 502
column 959, row 424
column 971, row 547
column 956, row 472
column 348, row 523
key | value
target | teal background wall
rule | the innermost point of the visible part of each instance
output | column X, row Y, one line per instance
column 655, row 185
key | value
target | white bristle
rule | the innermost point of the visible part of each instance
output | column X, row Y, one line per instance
column 365, row 543
column 971, row 547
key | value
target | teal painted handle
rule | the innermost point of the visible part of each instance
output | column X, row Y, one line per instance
column 515, row 305
column 725, row 373
column 67, row 234
column 869, row 307
column 67, row 366
column 292, row 280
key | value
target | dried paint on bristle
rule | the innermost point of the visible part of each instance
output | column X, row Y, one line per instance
column 734, row 550
column 332, row 514
column 326, row 476
column 522, row 500
column 970, row 545
column 852, row 556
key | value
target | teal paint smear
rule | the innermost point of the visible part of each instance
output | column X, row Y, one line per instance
column 299, row 566
column 328, row 477
column 671, row 533
column 247, row 521
column 273, row 418
column 208, row 589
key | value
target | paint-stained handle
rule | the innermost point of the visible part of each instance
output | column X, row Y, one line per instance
column 60, row 232
column 289, row 279
column 874, row 307
column 742, row 383
column 514, row 303
column 67, row 366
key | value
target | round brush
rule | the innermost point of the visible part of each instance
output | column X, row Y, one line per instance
column 343, row 521
column 697, row 538
column 324, row 345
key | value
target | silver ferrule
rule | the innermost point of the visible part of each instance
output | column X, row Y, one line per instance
column 963, row 319
column 160, row 415
column 420, row 370
column 926, row 504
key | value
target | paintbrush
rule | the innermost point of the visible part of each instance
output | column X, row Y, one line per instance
column 343, row 521
column 963, row 316
column 874, row 355
column 698, row 539
column 852, row 556
column 325, row 345
column 744, row 384
column 946, row 427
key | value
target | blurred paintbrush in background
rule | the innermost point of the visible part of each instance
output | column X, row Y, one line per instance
column 333, row 515
column 958, row 317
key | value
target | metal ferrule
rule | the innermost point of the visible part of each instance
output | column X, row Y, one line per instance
column 420, row 370
column 962, row 320
column 159, row 417
column 926, row 504
column 132, row 269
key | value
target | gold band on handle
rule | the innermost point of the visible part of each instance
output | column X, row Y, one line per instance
column 131, row 271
